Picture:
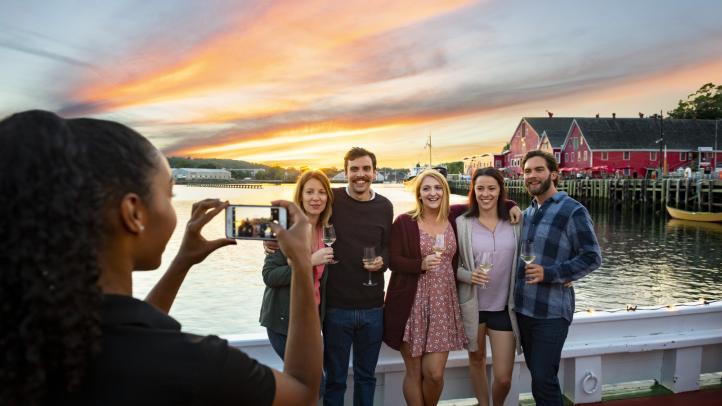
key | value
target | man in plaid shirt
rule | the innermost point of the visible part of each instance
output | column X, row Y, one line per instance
column 566, row 249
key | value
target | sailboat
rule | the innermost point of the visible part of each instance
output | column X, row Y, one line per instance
column 416, row 170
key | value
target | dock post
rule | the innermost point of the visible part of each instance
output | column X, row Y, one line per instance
column 583, row 379
column 681, row 368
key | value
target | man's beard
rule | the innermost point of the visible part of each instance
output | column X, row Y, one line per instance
column 543, row 187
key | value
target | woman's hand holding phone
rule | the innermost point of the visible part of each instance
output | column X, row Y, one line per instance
column 294, row 241
column 195, row 248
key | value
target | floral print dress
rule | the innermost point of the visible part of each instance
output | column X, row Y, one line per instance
column 435, row 324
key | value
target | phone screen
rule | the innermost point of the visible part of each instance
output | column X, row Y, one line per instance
column 253, row 222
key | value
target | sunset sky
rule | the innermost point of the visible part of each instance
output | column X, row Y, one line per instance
column 299, row 82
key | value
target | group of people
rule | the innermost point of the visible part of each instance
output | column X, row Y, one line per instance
column 438, row 299
column 73, row 333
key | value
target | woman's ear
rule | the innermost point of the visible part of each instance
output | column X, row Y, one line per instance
column 132, row 213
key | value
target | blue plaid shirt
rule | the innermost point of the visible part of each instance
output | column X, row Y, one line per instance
column 566, row 246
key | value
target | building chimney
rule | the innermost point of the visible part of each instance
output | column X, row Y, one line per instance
column 641, row 115
column 614, row 115
column 597, row 116
column 550, row 114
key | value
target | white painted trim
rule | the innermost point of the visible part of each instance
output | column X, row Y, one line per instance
column 668, row 345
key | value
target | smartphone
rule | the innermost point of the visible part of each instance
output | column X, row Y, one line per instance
column 244, row 222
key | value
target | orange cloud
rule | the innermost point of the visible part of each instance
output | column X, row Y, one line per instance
column 290, row 43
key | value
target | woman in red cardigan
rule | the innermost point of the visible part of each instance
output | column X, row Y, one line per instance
column 422, row 296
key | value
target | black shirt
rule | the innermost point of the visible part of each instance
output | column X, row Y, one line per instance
column 358, row 224
column 146, row 360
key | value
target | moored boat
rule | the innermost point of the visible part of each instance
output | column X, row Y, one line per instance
column 694, row 215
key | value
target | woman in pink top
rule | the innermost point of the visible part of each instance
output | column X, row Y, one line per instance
column 313, row 196
column 486, row 300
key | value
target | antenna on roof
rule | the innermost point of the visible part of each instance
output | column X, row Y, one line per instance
column 549, row 113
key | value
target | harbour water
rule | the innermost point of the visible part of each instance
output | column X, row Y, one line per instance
column 648, row 261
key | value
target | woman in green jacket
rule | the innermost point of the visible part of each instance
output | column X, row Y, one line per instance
column 313, row 195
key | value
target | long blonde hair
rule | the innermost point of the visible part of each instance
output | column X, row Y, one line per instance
column 419, row 210
column 298, row 194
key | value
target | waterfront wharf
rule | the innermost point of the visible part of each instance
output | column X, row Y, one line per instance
column 231, row 185
column 680, row 193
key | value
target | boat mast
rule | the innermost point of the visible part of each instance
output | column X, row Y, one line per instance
column 428, row 144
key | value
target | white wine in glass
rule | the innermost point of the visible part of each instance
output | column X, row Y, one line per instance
column 527, row 252
column 484, row 263
column 329, row 237
column 439, row 244
column 368, row 259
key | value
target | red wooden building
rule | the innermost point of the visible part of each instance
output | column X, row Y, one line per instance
column 630, row 146
column 536, row 133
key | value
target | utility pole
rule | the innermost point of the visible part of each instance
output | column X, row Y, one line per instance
column 661, row 167
column 715, row 146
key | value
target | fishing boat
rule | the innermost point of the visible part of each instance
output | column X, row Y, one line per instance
column 694, row 215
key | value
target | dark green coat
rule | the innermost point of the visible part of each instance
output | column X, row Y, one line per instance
column 277, row 296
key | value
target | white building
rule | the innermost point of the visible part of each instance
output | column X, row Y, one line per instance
column 198, row 174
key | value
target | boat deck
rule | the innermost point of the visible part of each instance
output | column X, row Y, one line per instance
column 707, row 397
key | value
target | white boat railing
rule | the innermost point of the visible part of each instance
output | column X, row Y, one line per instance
column 672, row 345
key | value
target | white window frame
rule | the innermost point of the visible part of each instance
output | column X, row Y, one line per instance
column 605, row 156
column 585, row 155
column 626, row 155
column 682, row 156
column 652, row 155
column 566, row 157
column 626, row 171
column 558, row 156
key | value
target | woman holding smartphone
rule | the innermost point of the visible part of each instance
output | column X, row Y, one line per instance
column 313, row 196
column 487, row 303
column 85, row 203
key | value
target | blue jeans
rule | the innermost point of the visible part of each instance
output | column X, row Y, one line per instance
column 278, row 342
column 342, row 328
column 542, row 341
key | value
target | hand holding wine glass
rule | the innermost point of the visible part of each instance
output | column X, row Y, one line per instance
column 329, row 237
column 533, row 273
column 368, row 260
column 483, row 263
column 439, row 244
column 527, row 252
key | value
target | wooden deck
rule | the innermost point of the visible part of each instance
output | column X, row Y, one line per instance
column 707, row 397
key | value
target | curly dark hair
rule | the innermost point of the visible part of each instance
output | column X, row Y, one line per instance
column 59, row 178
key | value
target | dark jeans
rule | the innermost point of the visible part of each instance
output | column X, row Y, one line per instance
column 278, row 342
column 362, row 329
column 542, row 341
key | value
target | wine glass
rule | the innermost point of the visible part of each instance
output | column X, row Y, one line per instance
column 329, row 237
column 368, row 258
column 484, row 262
column 527, row 252
column 439, row 244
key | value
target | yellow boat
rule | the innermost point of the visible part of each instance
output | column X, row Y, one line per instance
column 694, row 215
